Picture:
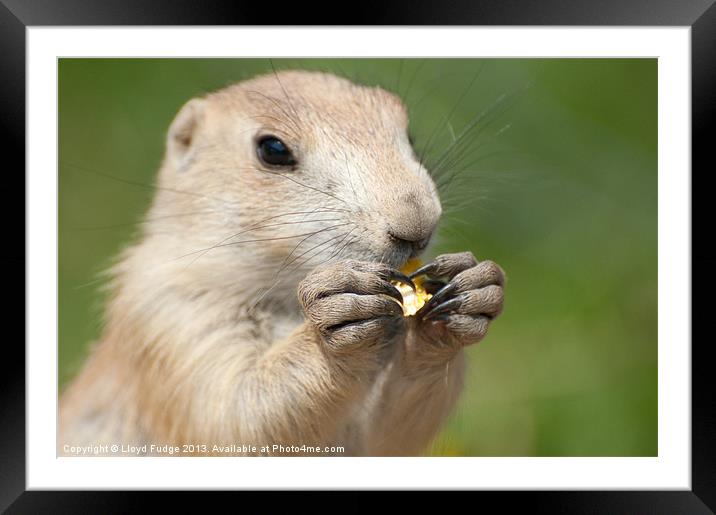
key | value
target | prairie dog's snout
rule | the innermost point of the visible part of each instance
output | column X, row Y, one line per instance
column 399, row 207
column 413, row 221
column 333, row 152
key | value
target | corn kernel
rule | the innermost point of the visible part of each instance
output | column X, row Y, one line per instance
column 412, row 300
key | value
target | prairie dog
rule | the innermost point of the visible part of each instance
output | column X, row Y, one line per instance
column 255, row 307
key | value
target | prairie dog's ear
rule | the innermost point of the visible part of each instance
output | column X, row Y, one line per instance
column 183, row 129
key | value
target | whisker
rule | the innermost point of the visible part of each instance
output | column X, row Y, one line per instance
column 260, row 117
column 338, row 252
column 412, row 78
column 222, row 244
column 143, row 185
column 276, row 103
column 353, row 239
column 289, row 178
column 301, row 264
column 313, row 248
column 285, row 261
column 444, row 181
column 446, row 119
column 269, row 172
column 304, row 185
column 143, row 221
column 465, row 131
column 278, row 278
column 285, row 93
column 350, row 176
column 340, row 242
column 273, row 239
column 400, row 75
column 500, row 102
column 433, row 87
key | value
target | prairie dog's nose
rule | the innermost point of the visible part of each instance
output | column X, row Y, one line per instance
column 413, row 222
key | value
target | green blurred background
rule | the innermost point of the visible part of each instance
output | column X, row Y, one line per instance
column 560, row 189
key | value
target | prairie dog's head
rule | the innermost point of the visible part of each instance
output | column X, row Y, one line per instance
column 288, row 170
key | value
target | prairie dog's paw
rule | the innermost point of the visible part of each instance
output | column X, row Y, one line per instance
column 350, row 303
column 461, row 310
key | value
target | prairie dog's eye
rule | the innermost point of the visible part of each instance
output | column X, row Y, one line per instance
column 272, row 151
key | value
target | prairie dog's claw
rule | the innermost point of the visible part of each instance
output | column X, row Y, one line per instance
column 393, row 292
column 439, row 297
column 432, row 286
column 459, row 313
column 396, row 275
column 347, row 303
column 443, row 308
column 424, row 270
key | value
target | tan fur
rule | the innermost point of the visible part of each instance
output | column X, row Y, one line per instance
column 207, row 345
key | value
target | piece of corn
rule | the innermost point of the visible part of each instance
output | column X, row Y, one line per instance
column 412, row 300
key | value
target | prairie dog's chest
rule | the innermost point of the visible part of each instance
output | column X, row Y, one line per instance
column 273, row 327
column 285, row 325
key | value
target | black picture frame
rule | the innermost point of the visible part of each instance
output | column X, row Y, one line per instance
column 700, row 15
